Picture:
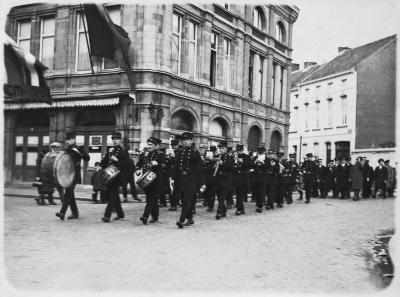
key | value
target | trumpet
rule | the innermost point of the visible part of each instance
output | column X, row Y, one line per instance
column 217, row 165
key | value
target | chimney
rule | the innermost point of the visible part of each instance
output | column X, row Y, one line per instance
column 342, row 49
column 309, row 64
column 295, row 66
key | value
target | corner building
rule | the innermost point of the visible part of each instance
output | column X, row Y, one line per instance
column 222, row 72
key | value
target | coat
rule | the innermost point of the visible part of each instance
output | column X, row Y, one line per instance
column 342, row 176
column 380, row 175
column 187, row 170
column 225, row 171
column 356, row 176
column 144, row 163
column 241, row 175
column 310, row 171
column 391, row 177
column 77, row 157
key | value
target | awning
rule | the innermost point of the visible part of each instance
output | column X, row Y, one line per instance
column 62, row 104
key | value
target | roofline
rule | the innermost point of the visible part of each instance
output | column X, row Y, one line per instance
column 328, row 77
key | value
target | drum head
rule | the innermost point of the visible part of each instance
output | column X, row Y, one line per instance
column 65, row 170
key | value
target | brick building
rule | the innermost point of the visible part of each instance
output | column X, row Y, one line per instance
column 219, row 71
column 346, row 107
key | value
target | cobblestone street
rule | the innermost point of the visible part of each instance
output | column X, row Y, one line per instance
column 299, row 248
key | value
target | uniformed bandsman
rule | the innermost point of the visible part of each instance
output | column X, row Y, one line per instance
column 153, row 159
column 186, row 177
column 211, row 182
column 273, row 169
column 309, row 170
column 293, row 175
column 241, row 178
column 119, row 157
column 260, row 178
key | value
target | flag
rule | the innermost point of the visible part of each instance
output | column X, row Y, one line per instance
column 25, row 74
column 107, row 39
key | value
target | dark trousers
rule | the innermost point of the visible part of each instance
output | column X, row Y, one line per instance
column 113, row 199
column 356, row 194
column 241, row 195
column 343, row 192
column 281, row 194
column 272, row 195
column 187, row 206
column 308, row 188
column 259, row 194
column 151, row 207
column 380, row 186
column 229, row 197
column 132, row 186
column 366, row 191
column 209, row 195
column 289, row 193
column 173, row 199
column 222, row 195
column 69, row 200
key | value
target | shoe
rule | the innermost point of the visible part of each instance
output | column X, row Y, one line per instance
column 218, row 216
column 105, row 220
column 144, row 220
column 172, row 208
column 289, row 202
column 259, row 210
column 307, row 201
column 118, row 218
column 153, row 220
column 239, row 212
column 188, row 223
column 71, row 217
column 60, row 215
column 137, row 199
column 269, row 207
column 179, row 224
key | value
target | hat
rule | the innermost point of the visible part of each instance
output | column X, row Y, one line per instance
column 292, row 155
column 280, row 154
column 116, row 135
column 261, row 149
column 70, row 135
column 174, row 142
column 330, row 161
column 309, row 155
column 55, row 144
column 239, row 147
column 230, row 149
column 213, row 148
column 381, row 160
column 223, row 143
column 187, row 135
column 154, row 140
column 97, row 164
column 178, row 137
column 387, row 161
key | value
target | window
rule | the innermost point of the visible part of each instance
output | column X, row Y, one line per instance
column 24, row 35
column 47, row 33
column 343, row 110
column 281, row 87
column 306, row 115
column 318, row 88
column 260, row 77
column 258, row 18
column 82, row 57
column 330, row 112
column 273, row 83
column 295, row 118
column 251, row 63
column 344, row 83
column 192, row 49
column 316, row 149
column 115, row 14
column 226, row 56
column 227, row 6
column 280, row 32
column 317, row 115
column 176, row 43
column 213, row 60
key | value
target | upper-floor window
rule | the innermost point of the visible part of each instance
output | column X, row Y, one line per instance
column 330, row 112
column 306, row 116
column 295, row 118
column 176, row 43
column 344, row 83
column 82, row 51
column 281, row 86
column 213, row 59
column 261, row 77
column 24, row 35
column 227, row 6
column 226, row 57
column 317, row 113
column 47, row 36
column 274, row 65
column 280, row 32
column 115, row 15
column 251, row 63
column 343, row 119
column 258, row 18
column 192, row 38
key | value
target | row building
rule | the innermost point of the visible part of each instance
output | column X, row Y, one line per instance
column 346, row 107
column 220, row 71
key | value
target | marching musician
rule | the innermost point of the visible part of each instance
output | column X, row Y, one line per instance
column 241, row 178
column 185, row 178
column 223, row 173
column 117, row 156
column 293, row 172
column 229, row 197
column 77, row 154
column 211, row 183
column 309, row 170
column 152, row 160
column 260, row 178
column 273, row 169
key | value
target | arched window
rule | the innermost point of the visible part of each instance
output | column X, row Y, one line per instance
column 280, row 32
column 183, row 120
column 219, row 128
column 254, row 138
column 276, row 140
column 258, row 18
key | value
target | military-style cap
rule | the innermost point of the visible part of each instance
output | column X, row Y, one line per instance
column 292, row 155
column 381, row 160
column 230, row 149
column 154, row 140
column 223, row 143
column 70, row 135
column 55, row 144
column 239, row 147
column 280, row 154
column 174, row 142
column 116, row 135
column 178, row 137
column 213, row 148
column 261, row 149
column 187, row 135
column 309, row 155
column 387, row 161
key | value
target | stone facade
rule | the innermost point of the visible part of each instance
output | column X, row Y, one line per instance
column 167, row 101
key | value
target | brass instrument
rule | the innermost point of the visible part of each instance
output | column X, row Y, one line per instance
column 217, row 165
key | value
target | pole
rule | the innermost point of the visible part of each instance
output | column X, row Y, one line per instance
column 86, row 38
column 301, row 138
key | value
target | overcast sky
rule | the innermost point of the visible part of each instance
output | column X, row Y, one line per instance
column 323, row 26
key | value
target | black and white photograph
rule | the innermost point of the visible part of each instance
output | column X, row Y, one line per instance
column 199, row 148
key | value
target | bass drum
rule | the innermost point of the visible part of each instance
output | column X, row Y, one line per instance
column 58, row 168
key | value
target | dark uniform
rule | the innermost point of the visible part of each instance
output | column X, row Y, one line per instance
column 273, row 169
column 229, row 197
column 187, row 170
column 208, row 167
column 129, row 178
column 260, row 179
column 293, row 172
column 380, row 178
column 342, row 179
column 309, row 176
column 77, row 154
column 241, row 178
column 321, row 172
column 368, row 177
column 121, row 162
column 329, row 180
column 153, row 190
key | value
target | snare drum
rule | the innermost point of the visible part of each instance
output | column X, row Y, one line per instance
column 109, row 173
column 146, row 179
column 58, row 168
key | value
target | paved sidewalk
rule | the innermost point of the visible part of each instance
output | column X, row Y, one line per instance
column 315, row 248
